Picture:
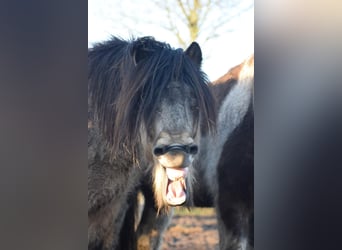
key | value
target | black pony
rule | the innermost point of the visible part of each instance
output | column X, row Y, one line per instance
column 148, row 105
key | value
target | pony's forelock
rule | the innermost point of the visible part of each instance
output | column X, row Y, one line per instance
column 126, row 93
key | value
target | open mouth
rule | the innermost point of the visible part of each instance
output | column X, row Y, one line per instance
column 176, row 186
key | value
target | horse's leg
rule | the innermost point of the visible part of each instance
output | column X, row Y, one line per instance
column 251, row 231
column 234, row 205
column 109, row 186
column 128, row 239
column 105, row 225
column 235, row 220
column 233, row 224
column 152, row 225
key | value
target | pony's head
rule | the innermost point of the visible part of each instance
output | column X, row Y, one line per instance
column 160, row 107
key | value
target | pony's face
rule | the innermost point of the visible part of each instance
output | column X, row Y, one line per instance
column 152, row 103
column 183, row 108
column 175, row 137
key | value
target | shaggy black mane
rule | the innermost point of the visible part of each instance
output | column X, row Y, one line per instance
column 126, row 82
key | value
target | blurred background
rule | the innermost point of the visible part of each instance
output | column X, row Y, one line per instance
column 298, row 118
column 224, row 29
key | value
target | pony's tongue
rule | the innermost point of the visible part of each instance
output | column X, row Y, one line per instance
column 175, row 192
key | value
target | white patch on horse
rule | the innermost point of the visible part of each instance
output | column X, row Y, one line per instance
column 232, row 111
column 243, row 243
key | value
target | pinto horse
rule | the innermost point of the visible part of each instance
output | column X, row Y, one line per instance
column 148, row 105
column 227, row 166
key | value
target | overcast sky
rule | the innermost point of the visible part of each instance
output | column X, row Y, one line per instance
column 143, row 18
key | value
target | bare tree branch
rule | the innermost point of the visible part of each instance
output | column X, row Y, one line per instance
column 206, row 12
column 180, row 4
column 174, row 29
column 202, row 19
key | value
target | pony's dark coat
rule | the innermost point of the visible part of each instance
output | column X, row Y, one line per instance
column 236, row 182
column 127, row 83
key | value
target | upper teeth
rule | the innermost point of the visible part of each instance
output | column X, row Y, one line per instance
column 176, row 173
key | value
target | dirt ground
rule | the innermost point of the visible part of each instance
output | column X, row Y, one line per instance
column 196, row 230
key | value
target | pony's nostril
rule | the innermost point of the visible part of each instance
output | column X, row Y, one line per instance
column 157, row 151
column 193, row 149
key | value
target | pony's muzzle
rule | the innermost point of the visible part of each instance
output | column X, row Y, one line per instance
column 176, row 155
column 189, row 149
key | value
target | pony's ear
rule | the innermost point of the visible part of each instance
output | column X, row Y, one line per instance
column 195, row 53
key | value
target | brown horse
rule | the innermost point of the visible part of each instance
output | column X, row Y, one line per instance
column 147, row 106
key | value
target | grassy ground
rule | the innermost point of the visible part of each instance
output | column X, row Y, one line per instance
column 194, row 211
